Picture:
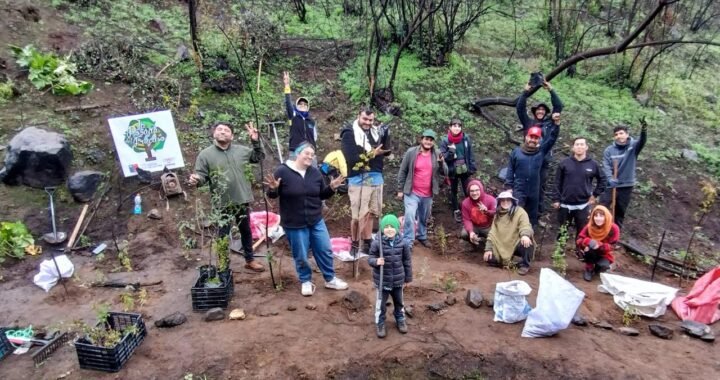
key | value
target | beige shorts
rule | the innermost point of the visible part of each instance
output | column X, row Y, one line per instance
column 364, row 200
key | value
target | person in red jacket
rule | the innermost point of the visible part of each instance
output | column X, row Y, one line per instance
column 478, row 210
column 596, row 240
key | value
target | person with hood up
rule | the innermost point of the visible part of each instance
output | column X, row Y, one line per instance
column 478, row 210
column 622, row 154
column 574, row 183
column 302, row 125
column 456, row 149
column 596, row 240
column 364, row 147
column 510, row 235
column 397, row 271
column 301, row 189
column 547, row 121
column 523, row 174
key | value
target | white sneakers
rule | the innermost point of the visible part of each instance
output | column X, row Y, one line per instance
column 336, row 284
column 308, row 288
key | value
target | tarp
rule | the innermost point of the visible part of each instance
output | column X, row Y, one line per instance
column 641, row 297
column 701, row 304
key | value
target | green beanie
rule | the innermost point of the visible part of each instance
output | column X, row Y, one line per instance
column 392, row 220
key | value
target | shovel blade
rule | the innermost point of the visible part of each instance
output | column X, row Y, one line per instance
column 52, row 238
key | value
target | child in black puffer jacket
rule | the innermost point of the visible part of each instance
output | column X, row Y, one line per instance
column 397, row 271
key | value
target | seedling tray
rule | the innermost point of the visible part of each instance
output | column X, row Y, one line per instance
column 112, row 359
column 207, row 298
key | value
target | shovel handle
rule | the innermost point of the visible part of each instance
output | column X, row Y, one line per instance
column 77, row 227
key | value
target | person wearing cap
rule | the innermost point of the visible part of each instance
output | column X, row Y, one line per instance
column 575, row 194
column 396, row 261
column 302, row 125
column 228, row 160
column 619, row 163
column 544, row 119
column 456, row 149
column 523, row 173
column 510, row 235
column 596, row 240
column 478, row 210
column 421, row 171
column 364, row 146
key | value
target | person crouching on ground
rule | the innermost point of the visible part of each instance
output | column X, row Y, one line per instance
column 510, row 235
column 478, row 210
column 297, row 183
column 596, row 240
column 397, row 264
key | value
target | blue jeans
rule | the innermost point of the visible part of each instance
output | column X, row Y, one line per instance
column 314, row 237
column 416, row 207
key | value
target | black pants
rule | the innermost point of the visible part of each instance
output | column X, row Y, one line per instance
column 595, row 260
column 531, row 205
column 240, row 214
column 622, row 201
column 543, row 184
column 526, row 255
column 461, row 180
column 397, row 297
column 578, row 217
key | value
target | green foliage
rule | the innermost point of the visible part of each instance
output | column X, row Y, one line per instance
column 317, row 25
column 6, row 91
column 47, row 69
column 14, row 239
column 711, row 158
column 221, row 246
column 630, row 316
column 558, row 256
column 103, row 335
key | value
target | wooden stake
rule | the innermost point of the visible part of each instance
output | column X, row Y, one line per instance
column 614, row 190
column 259, row 72
column 77, row 228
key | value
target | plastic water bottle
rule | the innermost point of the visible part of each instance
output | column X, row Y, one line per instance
column 138, row 205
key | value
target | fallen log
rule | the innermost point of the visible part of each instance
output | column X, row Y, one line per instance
column 83, row 107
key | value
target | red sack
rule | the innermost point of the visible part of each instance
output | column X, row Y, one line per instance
column 701, row 304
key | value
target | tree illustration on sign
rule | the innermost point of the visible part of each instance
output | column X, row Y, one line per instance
column 144, row 135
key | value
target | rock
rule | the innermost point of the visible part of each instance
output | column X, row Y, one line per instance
column 84, row 184
column 579, row 320
column 274, row 313
column 237, row 314
column 689, row 155
column 437, row 306
column 157, row 25
column 603, row 325
column 629, row 331
column 311, row 306
column 661, row 331
column 489, row 302
column 410, row 311
column 37, row 158
column 473, row 298
column 182, row 53
column 154, row 214
column 712, row 99
column 695, row 329
column 291, row 308
column 355, row 301
column 214, row 314
column 172, row 320
column 708, row 338
column 450, row 300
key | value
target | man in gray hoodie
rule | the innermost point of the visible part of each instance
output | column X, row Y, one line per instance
column 619, row 163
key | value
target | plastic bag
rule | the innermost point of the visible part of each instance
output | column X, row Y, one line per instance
column 510, row 304
column 48, row 275
column 341, row 249
column 641, row 297
column 258, row 220
column 557, row 303
column 701, row 304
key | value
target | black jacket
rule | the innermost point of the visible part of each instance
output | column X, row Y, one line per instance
column 398, row 262
column 352, row 150
column 523, row 174
column 547, row 124
column 300, row 198
column 301, row 129
column 449, row 156
column 574, row 181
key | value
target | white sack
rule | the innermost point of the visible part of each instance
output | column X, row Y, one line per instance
column 48, row 275
column 642, row 297
column 510, row 304
column 557, row 303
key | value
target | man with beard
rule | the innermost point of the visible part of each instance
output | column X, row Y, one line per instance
column 421, row 171
column 574, row 179
column 523, row 173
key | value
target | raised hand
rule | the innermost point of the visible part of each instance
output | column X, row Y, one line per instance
column 271, row 182
column 252, row 131
column 379, row 150
column 547, row 85
column 286, row 78
column 336, row 182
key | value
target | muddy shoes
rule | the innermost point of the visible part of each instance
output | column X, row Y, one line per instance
column 255, row 266
column 523, row 270
column 380, row 330
column 336, row 284
column 402, row 326
column 307, row 289
column 588, row 275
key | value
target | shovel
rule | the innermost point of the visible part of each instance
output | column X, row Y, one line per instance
column 54, row 237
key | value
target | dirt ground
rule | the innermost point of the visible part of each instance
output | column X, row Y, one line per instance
column 330, row 341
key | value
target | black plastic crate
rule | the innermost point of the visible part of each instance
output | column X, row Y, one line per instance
column 112, row 359
column 207, row 298
column 5, row 346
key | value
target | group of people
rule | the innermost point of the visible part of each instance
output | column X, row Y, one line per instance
column 501, row 227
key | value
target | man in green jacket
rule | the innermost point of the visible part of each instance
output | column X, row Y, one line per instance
column 229, row 160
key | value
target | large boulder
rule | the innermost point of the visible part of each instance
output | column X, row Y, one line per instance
column 36, row 158
column 84, row 184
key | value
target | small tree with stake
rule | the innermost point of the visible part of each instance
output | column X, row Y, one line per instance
column 218, row 219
